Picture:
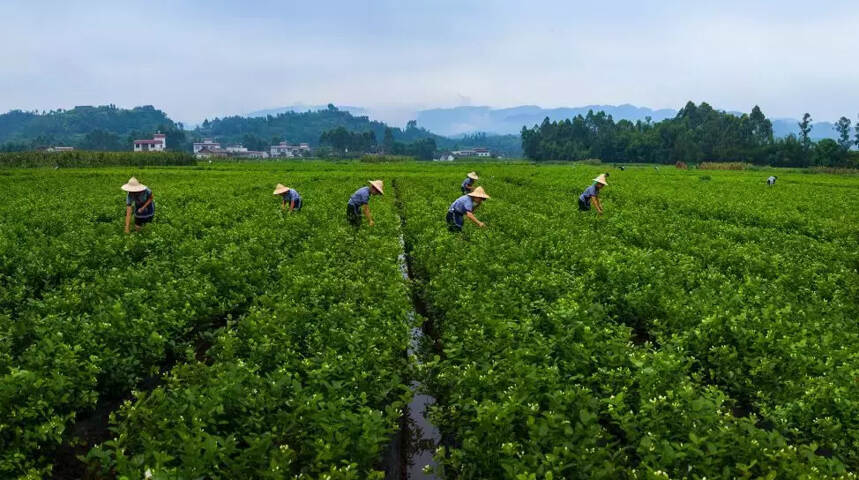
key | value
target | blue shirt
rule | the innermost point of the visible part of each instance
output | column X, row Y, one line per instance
column 461, row 205
column 291, row 196
column 771, row 180
column 360, row 197
column 589, row 193
column 139, row 198
column 467, row 182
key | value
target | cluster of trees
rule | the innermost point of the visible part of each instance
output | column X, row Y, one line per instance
column 506, row 145
column 104, row 127
column 342, row 141
column 301, row 127
column 698, row 133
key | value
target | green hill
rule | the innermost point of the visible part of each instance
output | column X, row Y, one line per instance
column 104, row 127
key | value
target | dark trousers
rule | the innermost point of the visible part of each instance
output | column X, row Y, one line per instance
column 143, row 221
column 465, row 190
column 584, row 206
column 353, row 214
column 298, row 204
column 454, row 222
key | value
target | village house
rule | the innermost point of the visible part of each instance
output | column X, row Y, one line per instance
column 445, row 157
column 60, row 149
column 205, row 152
column 285, row 149
column 472, row 152
column 157, row 144
column 209, row 149
column 208, row 144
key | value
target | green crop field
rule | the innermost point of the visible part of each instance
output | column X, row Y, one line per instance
column 706, row 326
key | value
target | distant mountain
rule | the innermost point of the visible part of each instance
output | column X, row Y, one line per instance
column 783, row 127
column 301, row 108
column 460, row 120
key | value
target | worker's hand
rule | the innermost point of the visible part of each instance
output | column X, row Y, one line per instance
column 372, row 223
column 126, row 230
column 481, row 225
column 140, row 210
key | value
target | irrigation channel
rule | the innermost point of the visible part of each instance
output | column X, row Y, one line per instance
column 414, row 445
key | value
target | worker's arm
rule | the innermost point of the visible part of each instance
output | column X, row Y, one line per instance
column 367, row 214
column 127, row 217
column 474, row 219
column 142, row 207
column 291, row 205
column 283, row 204
column 597, row 204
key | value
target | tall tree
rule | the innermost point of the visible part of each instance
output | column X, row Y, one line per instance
column 762, row 127
column 857, row 131
column 805, row 130
column 843, row 128
column 388, row 141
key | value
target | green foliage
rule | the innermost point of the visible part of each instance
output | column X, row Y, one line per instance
column 843, row 129
column 298, row 127
column 288, row 341
column 94, row 159
column 29, row 130
column 342, row 140
column 697, row 329
column 697, row 134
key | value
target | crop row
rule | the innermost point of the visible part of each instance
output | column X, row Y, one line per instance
column 292, row 325
column 93, row 159
column 637, row 343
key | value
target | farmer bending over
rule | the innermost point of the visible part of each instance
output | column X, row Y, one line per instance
column 468, row 183
column 771, row 180
column 360, row 201
column 591, row 194
column 144, row 204
column 290, row 197
column 463, row 207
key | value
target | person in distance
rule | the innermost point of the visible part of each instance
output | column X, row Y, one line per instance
column 144, row 204
column 464, row 207
column 290, row 197
column 360, row 201
column 771, row 180
column 592, row 194
column 468, row 183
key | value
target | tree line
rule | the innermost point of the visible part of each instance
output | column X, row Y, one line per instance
column 342, row 142
column 696, row 134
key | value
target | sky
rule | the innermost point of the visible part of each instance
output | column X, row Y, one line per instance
column 201, row 59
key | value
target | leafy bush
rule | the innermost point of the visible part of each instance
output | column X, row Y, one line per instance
column 94, row 159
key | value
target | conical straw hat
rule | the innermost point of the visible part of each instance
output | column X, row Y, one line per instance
column 280, row 189
column 601, row 179
column 473, row 176
column 133, row 186
column 479, row 193
column 377, row 184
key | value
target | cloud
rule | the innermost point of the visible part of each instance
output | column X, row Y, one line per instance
column 200, row 59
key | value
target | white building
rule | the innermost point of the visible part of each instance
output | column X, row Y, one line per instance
column 252, row 154
column 472, row 152
column 157, row 144
column 236, row 149
column 60, row 149
column 208, row 144
column 284, row 149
